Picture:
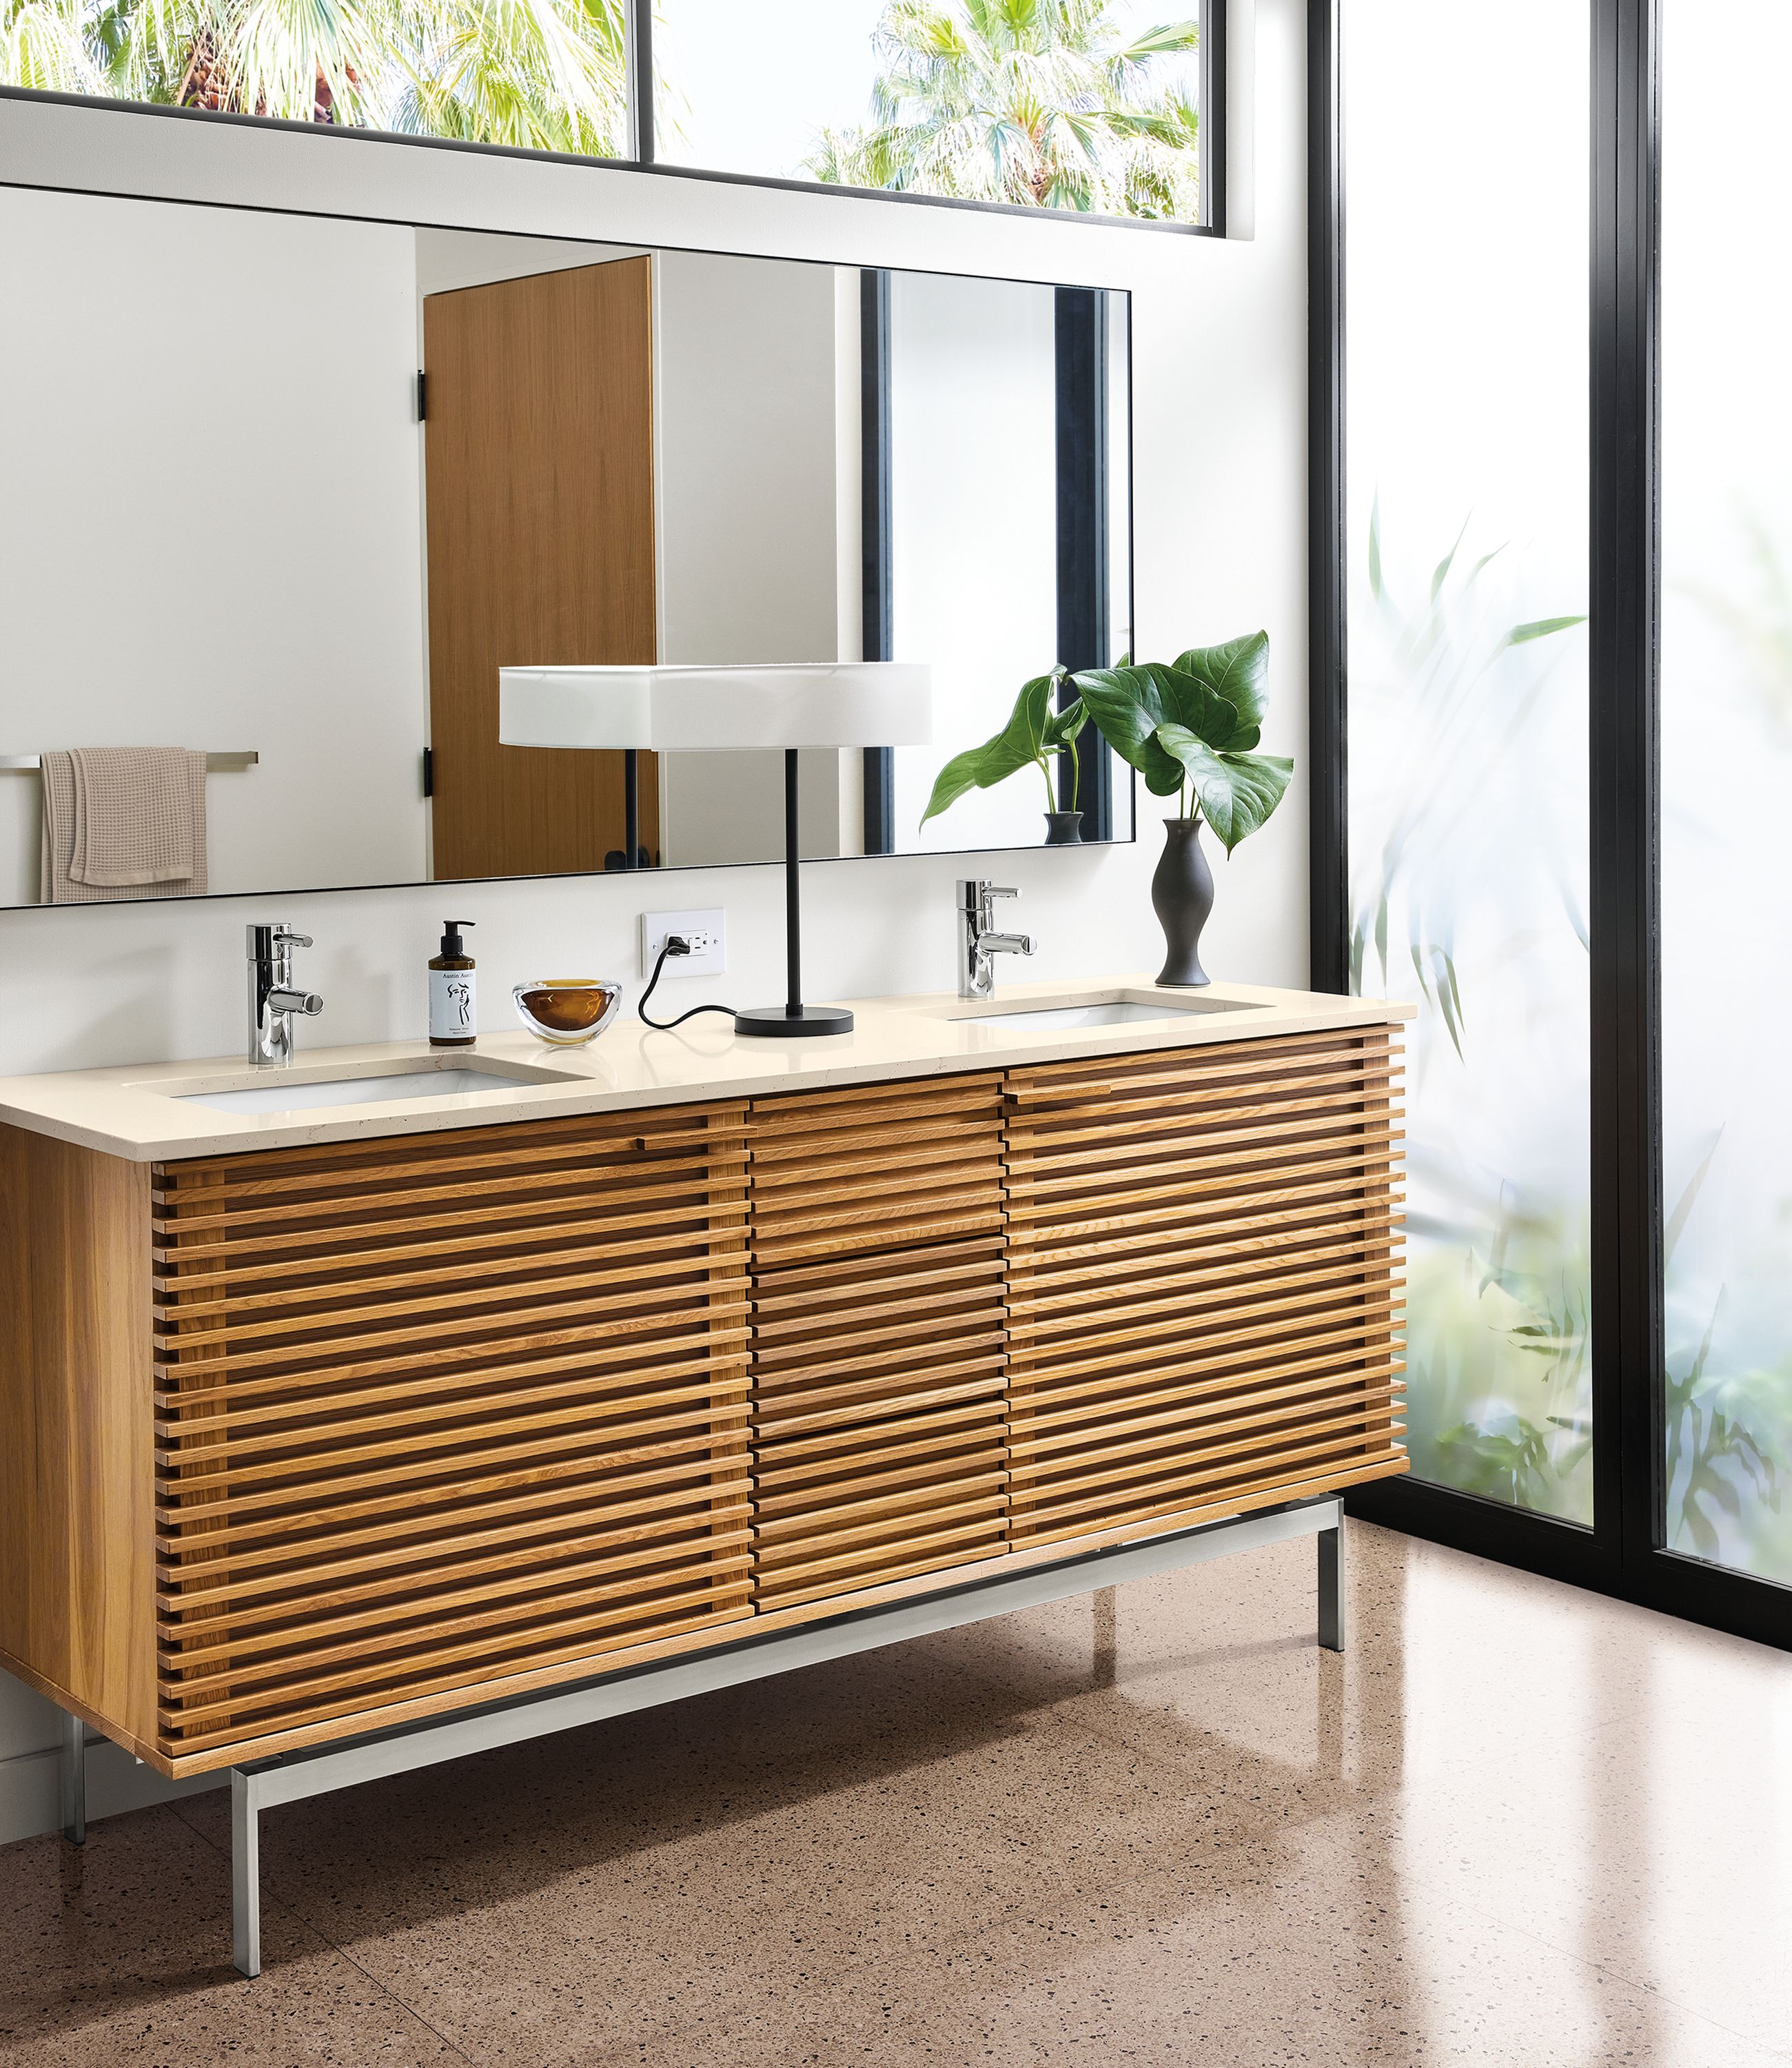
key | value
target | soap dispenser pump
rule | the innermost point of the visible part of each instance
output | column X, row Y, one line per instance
column 454, row 993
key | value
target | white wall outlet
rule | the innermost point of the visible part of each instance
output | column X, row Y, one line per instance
column 709, row 955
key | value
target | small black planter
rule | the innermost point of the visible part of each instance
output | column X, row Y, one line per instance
column 1182, row 897
column 1063, row 829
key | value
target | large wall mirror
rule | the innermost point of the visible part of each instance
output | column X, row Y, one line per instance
column 289, row 490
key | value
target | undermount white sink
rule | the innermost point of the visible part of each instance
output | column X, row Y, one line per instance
column 425, row 1083
column 1109, row 1013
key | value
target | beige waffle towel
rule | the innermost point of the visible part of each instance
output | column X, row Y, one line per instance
column 122, row 822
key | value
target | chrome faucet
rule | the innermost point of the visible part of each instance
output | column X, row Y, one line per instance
column 272, row 998
column 978, row 944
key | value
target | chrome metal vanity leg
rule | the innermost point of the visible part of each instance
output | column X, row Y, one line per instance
column 72, row 1777
column 1332, row 1588
column 246, row 1874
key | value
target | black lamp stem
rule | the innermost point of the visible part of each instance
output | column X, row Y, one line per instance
column 793, row 895
column 793, row 1018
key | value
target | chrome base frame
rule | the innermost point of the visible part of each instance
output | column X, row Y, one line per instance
column 321, row 1769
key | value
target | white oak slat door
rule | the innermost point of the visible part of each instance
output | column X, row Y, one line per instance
column 1203, row 1299
column 434, row 1410
column 878, row 1337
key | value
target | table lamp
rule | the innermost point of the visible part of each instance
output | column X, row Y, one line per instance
column 708, row 710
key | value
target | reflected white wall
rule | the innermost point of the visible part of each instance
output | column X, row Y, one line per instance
column 209, row 535
column 747, row 433
column 974, row 564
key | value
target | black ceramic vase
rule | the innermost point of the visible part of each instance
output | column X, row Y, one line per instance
column 1182, row 896
column 1063, row 829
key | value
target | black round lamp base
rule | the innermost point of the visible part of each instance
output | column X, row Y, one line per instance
column 777, row 1020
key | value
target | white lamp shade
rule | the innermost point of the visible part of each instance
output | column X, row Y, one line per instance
column 701, row 710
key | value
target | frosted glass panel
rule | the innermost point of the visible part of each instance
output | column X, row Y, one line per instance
column 1726, row 762
column 1466, row 180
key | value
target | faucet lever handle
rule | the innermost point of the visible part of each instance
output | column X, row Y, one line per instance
column 286, row 938
column 999, row 890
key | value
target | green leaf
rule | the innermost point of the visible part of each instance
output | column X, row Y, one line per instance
column 1678, row 1219
column 1237, row 791
column 1127, row 704
column 1062, row 726
column 1521, row 635
column 1125, row 708
column 1169, row 36
column 1186, row 699
column 1164, row 774
column 1214, row 697
column 1441, row 573
column 1238, row 671
column 1020, row 741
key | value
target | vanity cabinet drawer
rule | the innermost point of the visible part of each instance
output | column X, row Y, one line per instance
column 433, row 1411
column 1203, row 1306
column 843, row 1174
column 878, row 1336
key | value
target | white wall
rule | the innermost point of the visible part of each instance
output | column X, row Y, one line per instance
column 1220, row 364
column 208, row 530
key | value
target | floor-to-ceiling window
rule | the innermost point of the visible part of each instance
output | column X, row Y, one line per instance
column 1726, row 778
column 1465, row 167
column 1552, row 674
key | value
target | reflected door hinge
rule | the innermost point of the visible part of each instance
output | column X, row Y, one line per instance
column 428, row 771
column 422, row 395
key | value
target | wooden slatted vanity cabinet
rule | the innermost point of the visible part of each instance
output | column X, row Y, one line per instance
column 377, row 1417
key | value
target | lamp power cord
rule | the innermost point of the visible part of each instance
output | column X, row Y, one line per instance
column 675, row 945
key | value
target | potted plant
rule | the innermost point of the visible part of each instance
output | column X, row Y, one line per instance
column 1036, row 734
column 1190, row 726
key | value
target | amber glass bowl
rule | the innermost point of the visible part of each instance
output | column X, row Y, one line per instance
column 567, row 1010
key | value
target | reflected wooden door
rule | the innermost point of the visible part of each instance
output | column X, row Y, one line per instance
column 538, row 449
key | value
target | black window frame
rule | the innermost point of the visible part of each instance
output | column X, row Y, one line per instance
column 1081, row 374
column 1624, row 1553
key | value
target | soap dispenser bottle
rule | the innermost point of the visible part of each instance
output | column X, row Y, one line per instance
column 454, row 993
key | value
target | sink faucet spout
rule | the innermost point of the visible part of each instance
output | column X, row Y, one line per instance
column 978, row 942
column 274, row 1000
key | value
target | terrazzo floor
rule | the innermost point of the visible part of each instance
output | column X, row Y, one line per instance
column 1517, row 1825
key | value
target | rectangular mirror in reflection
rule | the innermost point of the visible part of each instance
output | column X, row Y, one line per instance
column 288, row 491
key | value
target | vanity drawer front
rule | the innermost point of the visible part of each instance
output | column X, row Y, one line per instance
column 879, row 1446
column 432, row 1411
column 1203, row 1296
column 878, row 1167
column 879, row 1342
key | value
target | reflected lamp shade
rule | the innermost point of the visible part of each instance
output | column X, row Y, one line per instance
column 714, row 709
column 708, row 710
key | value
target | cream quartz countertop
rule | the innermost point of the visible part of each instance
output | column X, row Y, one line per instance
column 136, row 1112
